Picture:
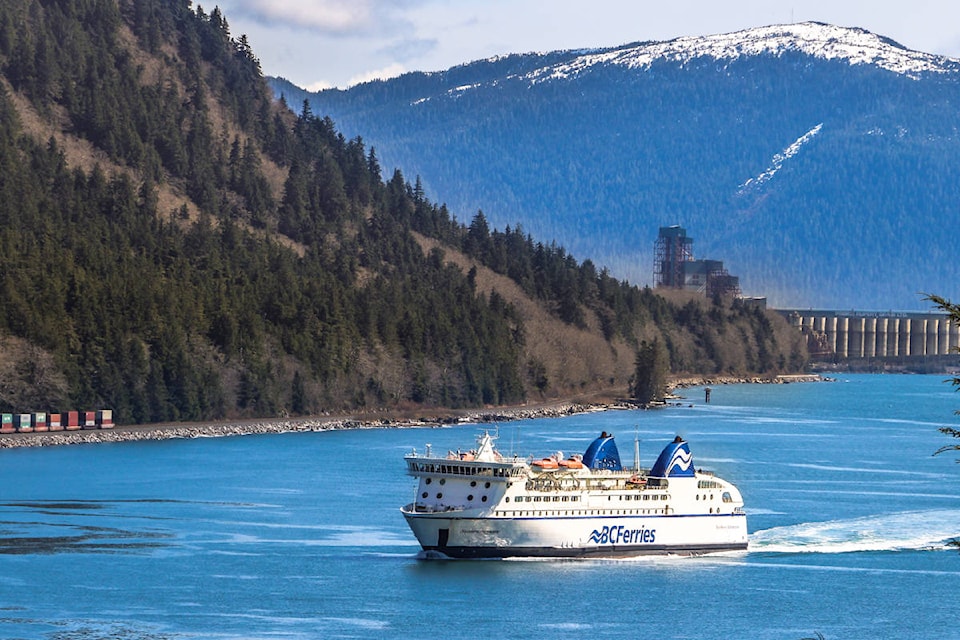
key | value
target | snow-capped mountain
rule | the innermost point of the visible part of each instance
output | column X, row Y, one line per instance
column 820, row 163
column 823, row 41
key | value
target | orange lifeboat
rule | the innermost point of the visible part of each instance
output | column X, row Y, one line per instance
column 546, row 463
column 571, row 463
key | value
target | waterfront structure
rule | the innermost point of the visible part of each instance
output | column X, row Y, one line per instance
column 882, row 334
column 674, row 266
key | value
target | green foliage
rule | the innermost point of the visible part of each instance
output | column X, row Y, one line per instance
column 651, row 373
column 952, row 310
column 250, row 301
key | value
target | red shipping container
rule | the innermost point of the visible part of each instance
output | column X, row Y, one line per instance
column 71, row 420
column 89, row 419
column 53, row 422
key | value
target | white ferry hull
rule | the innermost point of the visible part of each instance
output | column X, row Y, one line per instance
column 578, row 536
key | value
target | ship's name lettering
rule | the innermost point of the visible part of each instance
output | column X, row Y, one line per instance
column 623, row 535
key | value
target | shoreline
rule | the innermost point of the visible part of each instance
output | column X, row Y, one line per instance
column 391, row 420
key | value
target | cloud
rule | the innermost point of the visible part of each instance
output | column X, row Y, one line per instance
column 329, row 17
column 387, row 72
column 334, row 17
column 409, row 48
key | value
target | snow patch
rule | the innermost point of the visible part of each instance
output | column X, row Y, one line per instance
column 780, row 158
column 828, row 42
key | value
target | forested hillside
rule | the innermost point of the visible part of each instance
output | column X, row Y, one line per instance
column 176, row 245
column 818, row 162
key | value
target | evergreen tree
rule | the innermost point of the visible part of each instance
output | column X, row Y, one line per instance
column 651, row 371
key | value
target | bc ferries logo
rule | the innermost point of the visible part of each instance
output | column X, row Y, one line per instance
column 681, row 460
column 622, row 535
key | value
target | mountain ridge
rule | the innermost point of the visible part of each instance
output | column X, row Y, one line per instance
column 600, row 159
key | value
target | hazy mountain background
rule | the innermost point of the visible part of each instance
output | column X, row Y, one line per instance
column 819, row 163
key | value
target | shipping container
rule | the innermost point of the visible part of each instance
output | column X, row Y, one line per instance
column 53, row 422
column 105, row 418
column 38, row 421
column 23, row 422
column 71, row 420
column 6, row 423
column 89, row 419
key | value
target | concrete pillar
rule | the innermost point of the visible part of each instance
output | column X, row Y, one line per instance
column 831, row 329
column 954, row 343
column 918, row 337
column 820, row 324
column 855, row 340
column 882, row 324
column 893, row 337
column 843, row 336
column 943, row 337
column 904, row 337
column 869, row 337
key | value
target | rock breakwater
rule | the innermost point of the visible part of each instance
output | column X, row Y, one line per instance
column 259, row 427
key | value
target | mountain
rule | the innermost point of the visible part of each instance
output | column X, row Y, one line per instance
column 175, row 244
column 820, row 163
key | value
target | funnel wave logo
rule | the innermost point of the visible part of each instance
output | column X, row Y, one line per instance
column 681, row 460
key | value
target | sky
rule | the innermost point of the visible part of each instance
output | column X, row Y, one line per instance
column 319, row 44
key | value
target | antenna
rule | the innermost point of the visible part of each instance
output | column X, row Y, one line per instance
column 636, row 450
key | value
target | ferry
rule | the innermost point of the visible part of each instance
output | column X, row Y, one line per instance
column 481, row 504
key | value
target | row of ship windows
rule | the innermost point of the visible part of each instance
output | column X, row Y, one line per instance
column 646, row 496
column 456, row 469
column 594, row 512
column 473, row 483
column 587, row 512
column 424, row 495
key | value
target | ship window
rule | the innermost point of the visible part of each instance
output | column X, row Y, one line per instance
column 470, row 498
column 726, row 497
column 473, row 483
column 536, row 498
column 646, row 497
column 424, row 495
column 556, row 498
column 483, row 499
column 507, row 499
column 439, row 495
column 487, row 485
column 566, row 498
column 698, row 496
column 428, row 481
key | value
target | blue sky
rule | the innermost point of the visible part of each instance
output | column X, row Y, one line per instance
column 324, row 43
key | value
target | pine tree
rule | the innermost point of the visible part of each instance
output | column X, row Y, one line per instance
column 650, row 376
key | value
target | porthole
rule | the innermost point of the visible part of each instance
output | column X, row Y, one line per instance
column 473, row 483
column 698, row 496
column 483, row 499
column 428, row 481
column 507, row 499
column 424, row 494
column 470, row 498
column 486, row 485
column 439, row 495
column 443, row 481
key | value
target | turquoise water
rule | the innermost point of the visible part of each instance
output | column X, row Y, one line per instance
column 300, row 536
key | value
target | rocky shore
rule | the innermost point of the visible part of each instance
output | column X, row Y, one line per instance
column 292, row 425
column 329, row 423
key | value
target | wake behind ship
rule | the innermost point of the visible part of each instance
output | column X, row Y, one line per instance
column 481, row 504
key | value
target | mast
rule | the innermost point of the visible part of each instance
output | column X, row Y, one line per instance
column 636, row 451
